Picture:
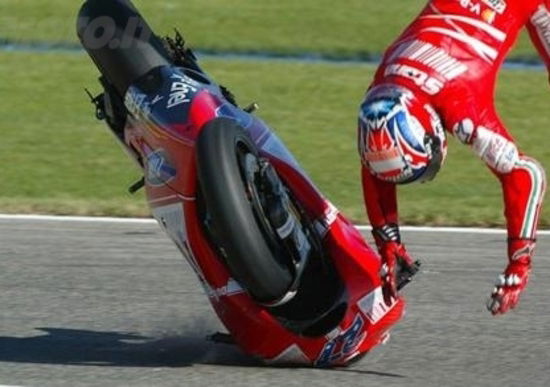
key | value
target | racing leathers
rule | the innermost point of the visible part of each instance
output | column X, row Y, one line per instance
column 449, row 56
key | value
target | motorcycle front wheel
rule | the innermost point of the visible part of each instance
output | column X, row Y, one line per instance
column 227, row 161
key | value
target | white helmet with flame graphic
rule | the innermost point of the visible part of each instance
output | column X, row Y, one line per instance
column 401, row 139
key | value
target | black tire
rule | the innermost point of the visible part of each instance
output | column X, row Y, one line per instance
column 251, row 260
column 120, row 42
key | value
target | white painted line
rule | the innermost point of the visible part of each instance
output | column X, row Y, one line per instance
column 456, row 230
column 88, row 219
column 463, row 230
column 92, row 219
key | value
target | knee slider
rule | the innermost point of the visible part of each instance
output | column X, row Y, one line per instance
column 497, row 151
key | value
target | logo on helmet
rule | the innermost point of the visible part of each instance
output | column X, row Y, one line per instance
column 380, row 145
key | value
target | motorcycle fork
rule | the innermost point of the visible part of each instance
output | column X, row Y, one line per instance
column 287, row 221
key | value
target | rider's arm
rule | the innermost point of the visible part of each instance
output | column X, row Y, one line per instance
column 380, row 200
column 539, row 31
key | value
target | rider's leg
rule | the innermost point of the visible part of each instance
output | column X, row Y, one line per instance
column 523, row 185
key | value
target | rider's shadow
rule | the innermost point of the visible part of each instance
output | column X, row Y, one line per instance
column 81, row 347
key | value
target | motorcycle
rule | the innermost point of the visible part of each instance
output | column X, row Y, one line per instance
column 289, row 276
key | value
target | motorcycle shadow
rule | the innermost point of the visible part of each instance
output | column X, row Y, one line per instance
column 60, row 346
column 91, row 348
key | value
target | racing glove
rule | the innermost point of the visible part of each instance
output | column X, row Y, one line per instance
column 512, row 282
column 397, row 268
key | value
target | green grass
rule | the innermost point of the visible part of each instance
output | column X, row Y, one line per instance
column 56, row 158
column 336, row 28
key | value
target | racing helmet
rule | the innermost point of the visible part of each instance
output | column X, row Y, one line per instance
column 401, row 138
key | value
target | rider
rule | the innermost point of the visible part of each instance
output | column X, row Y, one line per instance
column 440, row 73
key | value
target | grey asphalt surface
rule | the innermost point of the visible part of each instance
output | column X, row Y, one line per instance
column 93, row 304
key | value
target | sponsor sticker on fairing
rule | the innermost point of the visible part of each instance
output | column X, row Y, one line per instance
column 291, row 355
column 159, row 169
column 171, row 219
column 373, row 305
column 137, row 103
column 231, row 288
column 181, row 90
column 345, row 345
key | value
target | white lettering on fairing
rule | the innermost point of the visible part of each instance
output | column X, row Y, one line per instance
column 180, row 90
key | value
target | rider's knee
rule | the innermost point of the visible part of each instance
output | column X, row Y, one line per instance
column 499, row 152
column 535, row 170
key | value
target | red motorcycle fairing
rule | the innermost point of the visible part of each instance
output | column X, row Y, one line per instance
column 164, row 125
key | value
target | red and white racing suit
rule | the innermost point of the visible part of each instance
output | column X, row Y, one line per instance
column 449, row 56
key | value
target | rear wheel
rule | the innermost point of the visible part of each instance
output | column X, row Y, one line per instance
column 120, row 41
column 228, row 164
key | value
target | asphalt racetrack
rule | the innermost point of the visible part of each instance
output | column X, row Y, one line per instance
column 113, row 304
